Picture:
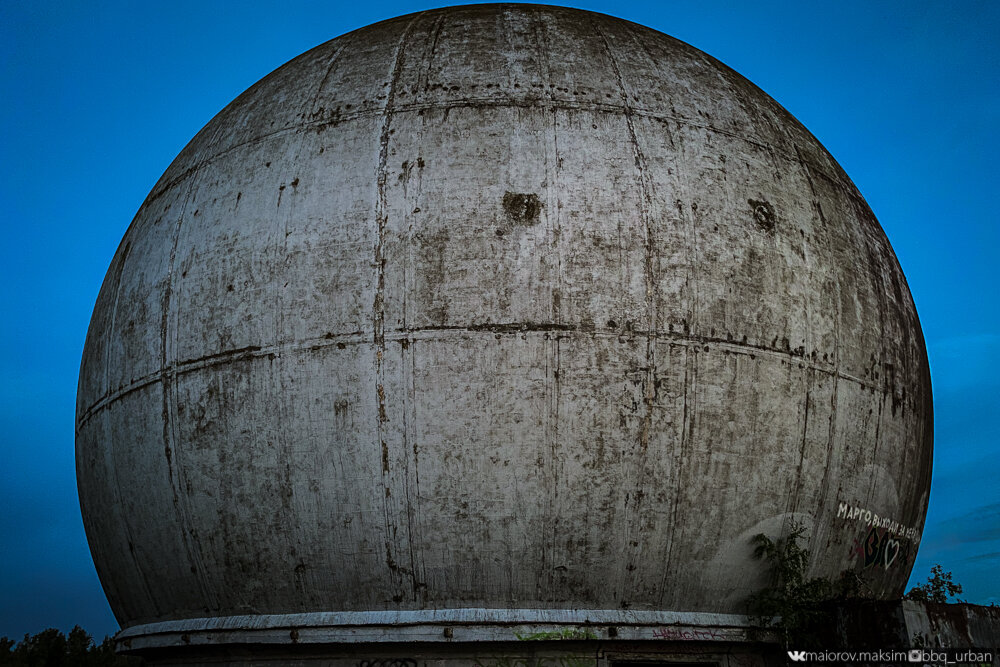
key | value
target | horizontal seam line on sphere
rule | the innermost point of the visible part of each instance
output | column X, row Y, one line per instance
column 491, row 103
column 406, row 334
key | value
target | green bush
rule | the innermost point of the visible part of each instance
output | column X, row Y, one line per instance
column 938, row 588
column 792, row 605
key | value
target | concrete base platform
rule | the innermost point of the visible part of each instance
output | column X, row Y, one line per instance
column 483, row 637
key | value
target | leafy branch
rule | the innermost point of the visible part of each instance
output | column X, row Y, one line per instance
column 938, row 587
column 792, row 605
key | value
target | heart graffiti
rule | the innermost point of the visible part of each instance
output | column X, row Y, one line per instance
column 891, row 549
column 879, row 548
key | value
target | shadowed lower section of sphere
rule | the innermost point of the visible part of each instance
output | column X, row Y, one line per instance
column 498, row 307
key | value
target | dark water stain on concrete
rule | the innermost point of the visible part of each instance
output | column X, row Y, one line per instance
column 522, row 208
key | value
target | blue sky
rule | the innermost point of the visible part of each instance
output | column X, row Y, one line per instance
column 99, row 97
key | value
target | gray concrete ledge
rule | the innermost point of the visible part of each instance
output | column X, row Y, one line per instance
column 438, row 625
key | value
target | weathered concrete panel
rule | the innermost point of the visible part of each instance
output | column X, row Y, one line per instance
column 498, row 306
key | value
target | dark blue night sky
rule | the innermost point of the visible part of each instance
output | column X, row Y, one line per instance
column 98, row 98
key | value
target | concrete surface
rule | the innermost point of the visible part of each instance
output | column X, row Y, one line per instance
column 435, row 626
column 907, row 623
column 859, row 632
column 498, row 306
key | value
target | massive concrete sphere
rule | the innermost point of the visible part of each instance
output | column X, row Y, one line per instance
column 498, row 306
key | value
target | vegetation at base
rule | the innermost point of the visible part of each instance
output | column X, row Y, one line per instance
column 51, row 648
column 793, row 605
column 798, row 608
column 537, row 661
column 938, row 588
column 564, row 633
